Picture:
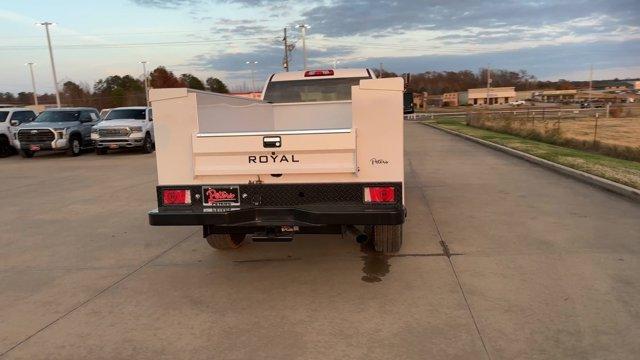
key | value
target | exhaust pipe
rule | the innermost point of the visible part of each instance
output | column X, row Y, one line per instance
column 360, row 237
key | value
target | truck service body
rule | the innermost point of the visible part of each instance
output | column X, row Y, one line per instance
column 321, row 153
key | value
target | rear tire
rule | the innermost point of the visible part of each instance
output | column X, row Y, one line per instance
column 75, row 146
column 26, row 154
column 387, row 238
column 225, row 241
column 101, row 151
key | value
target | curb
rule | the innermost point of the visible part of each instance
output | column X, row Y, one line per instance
column 594, row 180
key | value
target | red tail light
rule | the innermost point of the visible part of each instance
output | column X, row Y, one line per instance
column 385, row 194
column 176, row 197
column 318, row 73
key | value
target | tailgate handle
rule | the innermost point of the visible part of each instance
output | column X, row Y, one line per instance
column 271, row 141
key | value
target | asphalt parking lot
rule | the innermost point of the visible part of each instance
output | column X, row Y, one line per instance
column 502, row 260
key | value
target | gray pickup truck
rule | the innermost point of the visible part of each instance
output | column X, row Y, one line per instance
column 63, row 129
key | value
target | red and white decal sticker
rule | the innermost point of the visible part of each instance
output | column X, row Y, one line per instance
column 220, row 196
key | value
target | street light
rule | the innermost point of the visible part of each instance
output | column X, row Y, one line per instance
column 146, row 81
column 46, row 25
column 253, row 80
column 303, row 29
column 33, row 83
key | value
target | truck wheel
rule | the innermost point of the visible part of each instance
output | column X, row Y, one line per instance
column 101, row 151
column 74, row 146
column 387, row 238
column 26, row 154
column 225, row 241
column 147, row 144
column 5, row 147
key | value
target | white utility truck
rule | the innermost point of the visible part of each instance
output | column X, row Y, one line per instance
column 322, row 152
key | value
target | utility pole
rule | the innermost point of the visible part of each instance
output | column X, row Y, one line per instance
column 146, row 81
column 303, row 29
column 488, row 82
column 590, row 81
column 46, row 25
column 285, row 64
column 252, row 64
column 33, row 84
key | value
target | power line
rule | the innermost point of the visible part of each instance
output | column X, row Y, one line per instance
column 127, row 45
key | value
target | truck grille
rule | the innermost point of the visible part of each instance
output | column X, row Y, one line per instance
column 114, row 132
column 35, row 135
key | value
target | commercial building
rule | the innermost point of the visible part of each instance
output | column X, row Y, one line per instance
column 489, row 96
column 525, row 94
column 420, row 100
column 434, row 100
column 450, row 99
column 251, row 95
column 556, row 95
column 616, row 88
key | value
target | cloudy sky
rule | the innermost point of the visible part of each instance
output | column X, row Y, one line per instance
column 550, row 39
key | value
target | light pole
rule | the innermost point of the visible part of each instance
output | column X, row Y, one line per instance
column 33, row 83
column 252, row 64
column 303, row 29
column 46, row 25
column 146, row 81
column 335, row 63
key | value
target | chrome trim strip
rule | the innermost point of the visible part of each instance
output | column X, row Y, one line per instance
column 269, row 133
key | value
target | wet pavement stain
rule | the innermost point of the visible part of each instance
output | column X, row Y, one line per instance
column 374, row 265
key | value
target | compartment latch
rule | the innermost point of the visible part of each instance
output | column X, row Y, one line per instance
column 271, row 141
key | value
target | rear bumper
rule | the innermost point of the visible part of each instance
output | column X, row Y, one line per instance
column 301, row 216
column 258, row 205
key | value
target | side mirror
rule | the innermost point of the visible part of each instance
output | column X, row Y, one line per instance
column 14, row 122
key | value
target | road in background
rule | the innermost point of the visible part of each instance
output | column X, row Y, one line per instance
column 502, row 259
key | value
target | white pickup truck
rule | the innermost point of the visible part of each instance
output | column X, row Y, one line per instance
column 322, row 152
column 10, row 119
column 124, row 127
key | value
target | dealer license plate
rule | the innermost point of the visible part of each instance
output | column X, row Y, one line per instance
column 220, row 196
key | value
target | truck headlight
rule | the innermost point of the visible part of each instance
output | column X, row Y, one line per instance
column 135, row 129
column 60, row 134
column 94, row 131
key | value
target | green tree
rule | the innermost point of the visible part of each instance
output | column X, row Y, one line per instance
column 117, row 90
column 216, row 85
column 192, row 81
column 163, row 78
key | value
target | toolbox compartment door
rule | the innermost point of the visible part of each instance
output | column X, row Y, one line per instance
column 275, row 152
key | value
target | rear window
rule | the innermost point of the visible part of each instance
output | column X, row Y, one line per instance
column 3, row 115
column 310, row 90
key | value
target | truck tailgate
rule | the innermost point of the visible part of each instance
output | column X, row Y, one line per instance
column 275, row 152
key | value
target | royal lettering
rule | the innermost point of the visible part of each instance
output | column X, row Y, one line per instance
column 272, row 159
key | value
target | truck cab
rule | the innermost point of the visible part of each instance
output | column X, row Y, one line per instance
column 322, row 152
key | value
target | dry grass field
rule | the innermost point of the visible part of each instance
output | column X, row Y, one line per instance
column 612, row 131
column 615, row 136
